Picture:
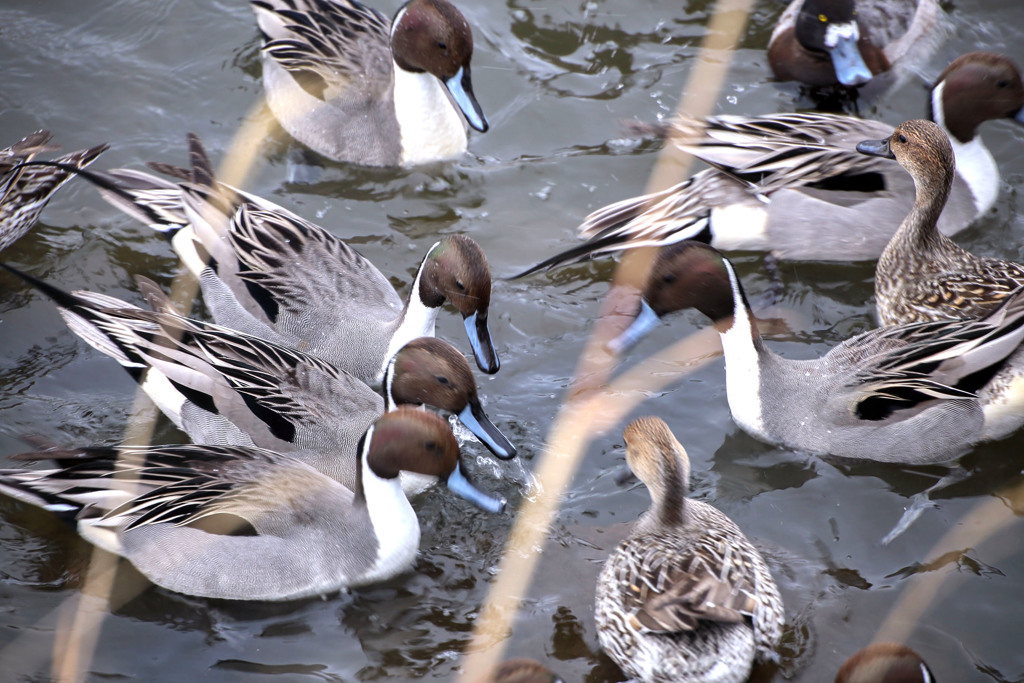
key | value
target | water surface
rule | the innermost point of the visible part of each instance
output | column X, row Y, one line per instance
column 555, row 79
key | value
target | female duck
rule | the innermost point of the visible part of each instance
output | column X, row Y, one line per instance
column 794, row 184
column 895, row 394
column 222, row 387
column 266, row 272
column 685, row 597
column 351, row 85
column 923, row 275
column 240, row 523
column 25, row 190
column 829, row 42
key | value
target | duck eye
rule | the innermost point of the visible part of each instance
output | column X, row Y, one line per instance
column 441, row 379
column 431, row 445
column 441, row 44
column 901, row 138
column 668, row 278
column 1003, row 84
column 822, row 18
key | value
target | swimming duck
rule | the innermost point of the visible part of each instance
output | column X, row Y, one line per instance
column 885, row 663
column 923, row 275
column 239, row 523
column 223, row 387
column 25, row 190
column 353, row 86
column 685, row 597
column 266, row 272
column 902, row 394
column 795, row 185
column 830, row 42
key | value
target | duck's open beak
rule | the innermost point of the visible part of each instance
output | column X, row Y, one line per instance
column 876, row 148
column 645, row 321
column 475, row 419
column 480, row 339
column 460, row 486
column 461, row 89
column 841, row 41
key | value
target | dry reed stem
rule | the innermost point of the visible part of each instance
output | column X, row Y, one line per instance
column 593, row 405
column 81, row 617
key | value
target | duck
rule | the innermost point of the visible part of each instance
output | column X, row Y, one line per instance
column 237, row 523
column 271, row 274
column 846, row 42
column 222, row 387
column 685, row 597
column 899, row 394
column 885, row 663
column 923, row 275
column 25, row 188
column 794, row 184
column 353, row 86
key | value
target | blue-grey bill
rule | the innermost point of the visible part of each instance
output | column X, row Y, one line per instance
column 848, row 62
column 877, row 148
column 476, row 421
column 480, row 339
column 460, row 486
column 646, row 320
column 461, row 89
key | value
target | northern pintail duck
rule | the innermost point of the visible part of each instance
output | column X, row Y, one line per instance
column 269, row 273
column 795, row 185
column 923, row 275
column 353, row 86
column 903, row 393
column 885, row 663
column 25, row 189
column 241, row 523
column 846, row 42
column 223, row 387
column 685, row 597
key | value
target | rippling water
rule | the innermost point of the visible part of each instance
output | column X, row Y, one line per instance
column 555, row 79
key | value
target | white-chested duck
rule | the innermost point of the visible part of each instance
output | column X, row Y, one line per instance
column 352, row 85
column 239, row 523
column 904, row 393
column 795, row 185
column 269, row 273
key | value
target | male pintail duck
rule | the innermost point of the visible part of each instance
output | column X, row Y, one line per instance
column 25, row 189
column 685, row 597
column 902, row 394
column 223, row 387
column 266, row 272
column 351, row 85
column 923, row 275
column 846, row 42
column 885, row 663
column 795, row 185
column 240, row 523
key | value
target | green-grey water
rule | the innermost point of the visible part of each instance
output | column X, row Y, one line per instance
column 556, row 78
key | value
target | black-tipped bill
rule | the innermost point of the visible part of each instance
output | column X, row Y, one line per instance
column 480, row 339
column 461, row 89
column 646, row 320
column 876, row 148
column 460, row 486
column 475, row 420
